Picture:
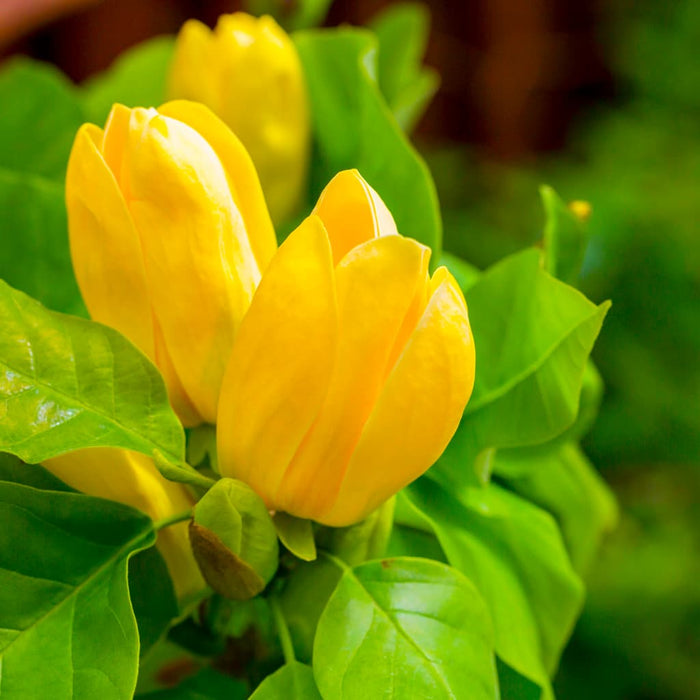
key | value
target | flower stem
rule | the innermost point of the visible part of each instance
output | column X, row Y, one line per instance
column 172, row 519
column 282, row 630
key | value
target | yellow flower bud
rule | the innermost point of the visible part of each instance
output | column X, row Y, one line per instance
column 248, row 72
column 132, row 479
column 169, row 235
column 352, row 367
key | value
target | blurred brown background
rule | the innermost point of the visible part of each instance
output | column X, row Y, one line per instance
column 514, row 74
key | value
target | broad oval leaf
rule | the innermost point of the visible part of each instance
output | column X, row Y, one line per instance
column 35, row 254
column 138, row 78
column 402, row 628
column 294, row 681
column 354, row 128
column 533, row 335
column 67, row 629
column 514, row 554
column 40, row 114
column 68, row 383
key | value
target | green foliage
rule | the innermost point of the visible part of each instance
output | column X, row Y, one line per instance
column 152, row 597
column 294, row 681
column 35, row 255
column 68, row 383
column 388, row 624
column 208, row 684
column 39, row 102
column 302, row 14
column 514, row 554
column 138, row 78
column 565, row 238
column 353, row 128
column 402, row 31
column 535, row 334
column 64, row 589
column 297, row 535
column 562, row 481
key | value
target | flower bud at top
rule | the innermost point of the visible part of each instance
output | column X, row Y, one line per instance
column 169, row 235
column 248, row 72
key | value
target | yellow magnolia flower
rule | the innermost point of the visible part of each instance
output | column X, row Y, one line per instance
column 352, row 368
column 249, row 73
column 169, row 235
column 132, row 478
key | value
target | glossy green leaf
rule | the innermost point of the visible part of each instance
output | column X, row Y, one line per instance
column 411, row 627
column 303, row 598
column 68, row 383
column 208, row 684
column 565, row 238
column 402, row 30
column 296, row 534
column 152, row 597
column 67, row 629
column 562, row 481
column 294, row 681
column 514, row 554
column 138, row 78
column 354, row 128
column 533, row 337
column 35, row 255
column 40, row 115
column 13, row 469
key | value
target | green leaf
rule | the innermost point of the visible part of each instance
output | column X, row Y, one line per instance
column 66, row 625
column 303, row 598
column 562, row 481
column 208, row 684
column 533, row 335
column 294, row 681
column 234, row 540
column 35, row 255
column 514, row 554
column 565, row 238
column 152, row 597
column 464, row 273
column 40, row 115
column 365, row 540
column 138, row 78
column 296, row 534
column 414, row 626
column 402, row 31
column 354, row 128
column 16, row 471
column 67, row 383
column 301, row 14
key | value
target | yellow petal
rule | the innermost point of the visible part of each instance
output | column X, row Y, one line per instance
column 243, row 179
column 352, row 213
column 132, row 479
column 280, row 367
column 193, row 74
column 418, row 410
column 104, row 244
column 199, row 264
column 377, row 284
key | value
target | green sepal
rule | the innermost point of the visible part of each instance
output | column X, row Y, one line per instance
column 234, row 540
column 297, row 535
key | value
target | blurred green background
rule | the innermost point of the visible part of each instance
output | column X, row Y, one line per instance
column 601, row 100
